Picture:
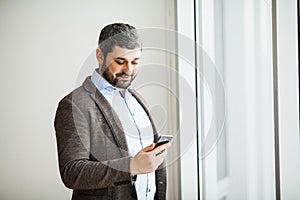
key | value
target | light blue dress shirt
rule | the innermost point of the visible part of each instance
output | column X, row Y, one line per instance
column 137, row 127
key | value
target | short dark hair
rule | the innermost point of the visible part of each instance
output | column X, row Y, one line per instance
column 120, row 34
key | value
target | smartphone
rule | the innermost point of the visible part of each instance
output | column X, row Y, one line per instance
column 163, row 139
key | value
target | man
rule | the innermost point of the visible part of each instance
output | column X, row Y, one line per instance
column 104, row 131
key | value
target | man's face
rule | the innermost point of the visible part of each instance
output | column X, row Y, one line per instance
column 120, row 66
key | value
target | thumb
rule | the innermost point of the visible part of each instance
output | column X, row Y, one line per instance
column 148, row 148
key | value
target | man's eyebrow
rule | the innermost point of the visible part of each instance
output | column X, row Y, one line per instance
column 121, row 58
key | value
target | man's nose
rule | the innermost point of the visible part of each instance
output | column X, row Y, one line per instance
column 128, row 68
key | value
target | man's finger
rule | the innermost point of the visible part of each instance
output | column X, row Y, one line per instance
column 148, row 148
column 161, row 148
column 161, row 152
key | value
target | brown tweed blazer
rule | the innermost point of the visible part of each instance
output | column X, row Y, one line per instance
column 92, row 148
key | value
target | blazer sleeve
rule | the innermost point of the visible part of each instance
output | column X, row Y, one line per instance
column 73, row 144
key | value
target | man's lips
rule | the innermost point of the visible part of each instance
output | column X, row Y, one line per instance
column 124, row 76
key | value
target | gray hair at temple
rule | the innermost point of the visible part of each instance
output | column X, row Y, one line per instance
column 120, row 34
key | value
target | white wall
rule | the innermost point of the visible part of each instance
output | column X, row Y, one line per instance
column 43, row 46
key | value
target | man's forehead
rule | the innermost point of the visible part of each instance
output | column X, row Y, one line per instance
column 124, row 52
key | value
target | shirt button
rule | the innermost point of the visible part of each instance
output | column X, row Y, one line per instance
column 149, row 190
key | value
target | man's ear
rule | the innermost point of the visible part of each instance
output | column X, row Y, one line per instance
column 99, row 56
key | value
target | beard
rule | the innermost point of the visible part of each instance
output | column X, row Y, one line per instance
column 117, row 81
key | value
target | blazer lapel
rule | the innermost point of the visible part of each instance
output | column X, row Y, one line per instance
column 109, row 114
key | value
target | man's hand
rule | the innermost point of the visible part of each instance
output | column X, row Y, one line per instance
column 148, row 159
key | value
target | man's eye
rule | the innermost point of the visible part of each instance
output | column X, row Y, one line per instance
column 119, row 62
column 134, row 63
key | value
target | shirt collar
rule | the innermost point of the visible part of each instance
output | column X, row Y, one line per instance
column 101, row 83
